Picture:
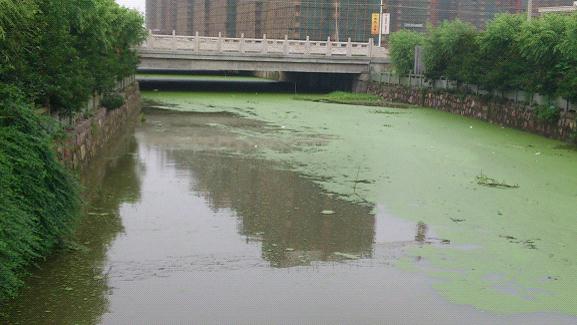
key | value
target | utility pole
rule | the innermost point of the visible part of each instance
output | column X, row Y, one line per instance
column 337, row 36
column 529, row 10
column 381, row 24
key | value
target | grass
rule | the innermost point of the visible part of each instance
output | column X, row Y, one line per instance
column 342, row 97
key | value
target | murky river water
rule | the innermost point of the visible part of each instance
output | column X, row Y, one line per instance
column 208, row 213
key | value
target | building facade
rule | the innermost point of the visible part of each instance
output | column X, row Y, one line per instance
column 320, row 19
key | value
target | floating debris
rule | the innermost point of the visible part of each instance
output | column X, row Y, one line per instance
column 347, row 256
column 484, row 180
column 98, row 214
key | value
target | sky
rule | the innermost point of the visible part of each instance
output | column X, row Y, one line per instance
column 135, row 4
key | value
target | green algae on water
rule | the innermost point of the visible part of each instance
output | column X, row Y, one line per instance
column 423, row 167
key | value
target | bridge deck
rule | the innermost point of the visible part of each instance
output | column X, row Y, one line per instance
column 170, row 52
column 266, row 47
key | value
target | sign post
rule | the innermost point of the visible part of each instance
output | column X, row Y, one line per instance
column 380, row 24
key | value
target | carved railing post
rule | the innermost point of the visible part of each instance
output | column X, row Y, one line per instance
column 264, row 48
column 173, row 41
column 371, row 45
column 349, row 48
column 219, row 43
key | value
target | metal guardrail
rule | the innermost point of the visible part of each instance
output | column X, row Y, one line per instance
column 253, row 46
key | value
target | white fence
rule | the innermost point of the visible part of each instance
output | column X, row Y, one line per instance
column 253, row 46
column 518, row 96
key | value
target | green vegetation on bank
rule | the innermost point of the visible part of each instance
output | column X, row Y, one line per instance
column 61, row 52
column 54, row 56
column 38, row 197
column 341, row 97
column 537, row 56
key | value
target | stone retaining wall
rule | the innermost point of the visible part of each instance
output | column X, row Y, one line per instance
column 498, row 111
column 89, row 136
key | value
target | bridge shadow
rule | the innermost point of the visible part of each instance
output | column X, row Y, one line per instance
column 207, row 81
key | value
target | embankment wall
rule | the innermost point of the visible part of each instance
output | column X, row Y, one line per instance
column 90, row 135
column 498, row 111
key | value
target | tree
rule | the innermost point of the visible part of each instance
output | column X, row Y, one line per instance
column 64, row 51
column 501, row 64
column 402, row 49
column 540, row 46
column 568, row 51
column 451, row 50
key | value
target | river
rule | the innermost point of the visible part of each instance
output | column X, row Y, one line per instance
column 244, row 208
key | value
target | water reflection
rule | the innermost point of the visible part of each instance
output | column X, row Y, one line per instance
column 281, row 209
column 186, row 224
column 71, row 287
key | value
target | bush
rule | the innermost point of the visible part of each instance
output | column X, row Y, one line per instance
column 112, row 101
column 38, row 197
column 547, row 113
column 402, row 49
column 573, row 137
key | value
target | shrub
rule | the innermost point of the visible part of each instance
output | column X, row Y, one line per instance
column 547, row 113
column 38, row 197
column 112, row 101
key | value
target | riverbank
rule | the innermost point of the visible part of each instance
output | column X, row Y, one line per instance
column 89, row 136
column 221, row 193
column 497, row 111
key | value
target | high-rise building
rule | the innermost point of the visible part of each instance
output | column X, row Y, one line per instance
column 161, row 15
column 409, row 14
column 185, row 17
column 319, row 19
column 250, row 18
column 337, row 19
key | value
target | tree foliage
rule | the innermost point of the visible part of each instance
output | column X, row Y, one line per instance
column 450, row 50
column 538, row 56
column 63, row 51
column 402, row 49
column 501, row 65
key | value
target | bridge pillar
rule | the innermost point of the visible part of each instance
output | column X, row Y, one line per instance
column 361, row 83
